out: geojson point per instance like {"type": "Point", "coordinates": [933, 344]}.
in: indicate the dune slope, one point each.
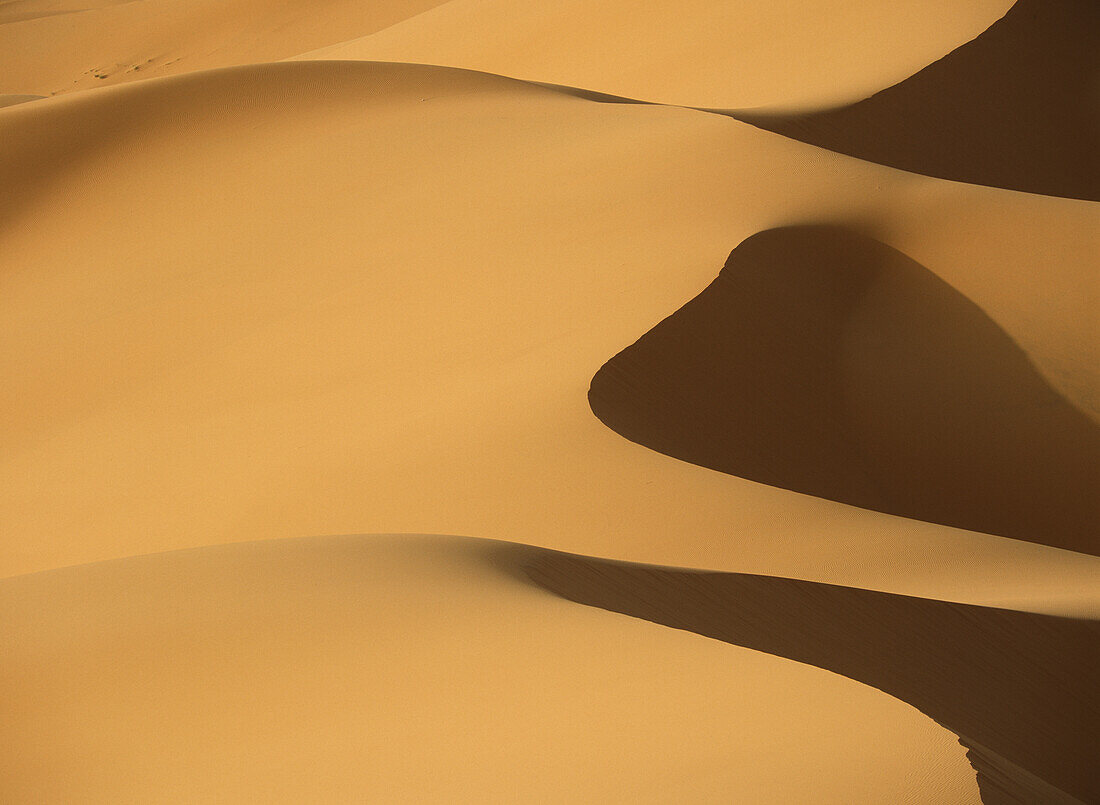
{"type": "Point", "coordinates": [694, 52]}
{"type": "Point", "coordinates": [373, 296]}
{"type": "Point", "coordinates": [823, 361]}
{"type": "Point", "coordinates": [1019, 688]}
{"type": "Point", "coordinates": [53, 47]}
{"type": "Point", "coordinates": [1017, 108]}
{"type": "Point", "coordinates": [331, 287]}
{"type": "Point", "coordinates": [414, 669]}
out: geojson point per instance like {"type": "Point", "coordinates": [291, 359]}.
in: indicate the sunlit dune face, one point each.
{"type": "Point", "coordinates": [410, 669]}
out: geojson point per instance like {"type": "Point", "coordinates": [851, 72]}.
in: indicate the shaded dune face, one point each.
{"type": "Point", "coordinates": [1018, 688]}
{"type": "Point", "coordinates": [1018, 107]}
{"type": "Point", "coordinates": [826, 362]}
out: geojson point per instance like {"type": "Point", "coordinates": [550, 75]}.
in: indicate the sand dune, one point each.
{"type": "Point", "coordinates": [51, 47]}
{"type": "Point", "coordinates": [316, 345]}
{"type": "Point", "coordinates": [337, 295]}
{"type": "Point", "coordinates": [1018, 687]}
{"type": "Point", "coordinates": [823, 361]}
{"type": "Point", "coordinates": [692, 53]}
{"type": "Point", "coordinates": [1015, 108]}
{"type": "Point", "coordinates": [409, 669]}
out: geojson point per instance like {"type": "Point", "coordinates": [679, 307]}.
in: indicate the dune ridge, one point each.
{"type": "Point", "coordinates": [708, 53]}
{"type": "Point", "coordinates": [823, 361]}
{"type": "Point", "coordinates": [316, 343]}
{"type": "Point", "coordinates": [955, 663]}
{"type": "Point", "coordinates": [348, 293]}
{"type": "Point", "coordinates": [1018, 688]}
{"type": "Point", "coordinates": [1014, 108]}
{"type": "Point", "coordinates": [415, 668]}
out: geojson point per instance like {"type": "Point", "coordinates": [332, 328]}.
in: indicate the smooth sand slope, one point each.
{"type": "Point", "coordinates": [823, 361]}
{"type": "Point", "coordinates": [693, 53]}
{"type": "Point", "coordinates": [336, 296]}
{"type": "Point", "coordinates": [409, 669]}
{"type": "Point", "coordinates": [50, 47]}
{"type": "Point", "coordinates": [1018, 687]}
{"type": "Point", "coordinates": [1018, 107]}
{"type": "Point", "coordinates": [375, 296]}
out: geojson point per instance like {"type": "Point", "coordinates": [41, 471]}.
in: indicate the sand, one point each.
{"type": "Point", "coordinates": [712, 53]}
{"type": "Point", "coordinates": [957, 663]}
{"type": "Point", "coordinates": [350, 293]}
{"type": "Point", "coordinates": [819, 356]}
{"type": "Point", "coordinates": [12, 100]}
{"type": "Point", "coordinates": [1014, 108]}
{"type": "Point", "coordinates": [408, 669]}
{"type": "Point", "coordinates": [51, 47]}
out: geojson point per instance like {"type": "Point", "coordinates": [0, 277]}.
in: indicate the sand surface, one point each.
{"type": "Point", "coordinates": [1017, 107]}
{"type": "Point", "coordinates": [388, 669]}
{"type": "Point", "coordinates": [816, 386]}
{"type": "Point", "coordinates": [716, 53]}
{"type": "Point", "coordinates": [52, 47]}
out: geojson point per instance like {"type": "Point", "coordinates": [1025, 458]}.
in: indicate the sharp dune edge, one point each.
{"type": "Point", "coordinates": [367, 289]}
{"type": "Point", "coordinates": [661, 52]}
{"type": "Point", "coordinates": [417, 669]}
{"type": "Point", "coordinates": [956, 663]}
{"type": "Point", "coordinates": [819, 357]}
{"type": "Point", "coordinates": [244, 293]}
{"type": "Point", "coordinates": [696, 53]}
{"type": "Point", "coordinates": [1015, 108]}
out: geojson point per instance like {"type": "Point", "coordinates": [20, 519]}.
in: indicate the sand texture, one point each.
{"type": "Point", "coordinates": [752, 349]}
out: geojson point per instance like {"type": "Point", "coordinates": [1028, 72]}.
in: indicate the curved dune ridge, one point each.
{"type": "Point", "coordinates": [263, 426]}
{"type": "Point", "coordinates": [1015, 108]}
{"type": "Point", "coordinates": [712, 53]}
{"type": "Point", "coordinates": [350, 210]}
{"type": "Point", "coordinates": [385, 669]}
{"type": "Point", "coordinates": [347, 293]}
{"type": "Point", "coordinates": [823, 361]}
{"type": "Point", "coordinates": [1018, 688]}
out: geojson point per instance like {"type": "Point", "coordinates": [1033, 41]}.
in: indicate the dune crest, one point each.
{"type": "Point", "coordinates": [413, 669]}
{"type": "Point", "coordinates": [272, 268]}
{"type": "Point", "coordinates": [1018, 688]}
{"type": "Point", "coordinates": [823, 361]}
{"type": "Point", "coordinates": [318, 332]}
{"type": "Point", "coordinates": [806, 53]}
{"type": "Point", "coordinates": [1016, 108]}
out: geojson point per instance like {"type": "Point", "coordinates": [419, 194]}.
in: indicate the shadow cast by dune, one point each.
{"type": "Point", "coordinates": [1018, 108]}
{"type": "Point", "coordinates": [826, 362]}
{"type": "Point", "coordinates": [1018, 688]}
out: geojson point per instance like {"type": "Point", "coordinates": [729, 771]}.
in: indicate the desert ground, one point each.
{"type": "Point", "coordinates": [584, 402]}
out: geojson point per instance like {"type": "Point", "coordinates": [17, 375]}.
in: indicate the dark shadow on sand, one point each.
{"type": "Point", "coordinates": [1018, 688]}
{"type": "Point", "coordinates": [826, 362]}
{"type": "Point", "coordinates": [1018, 107]}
